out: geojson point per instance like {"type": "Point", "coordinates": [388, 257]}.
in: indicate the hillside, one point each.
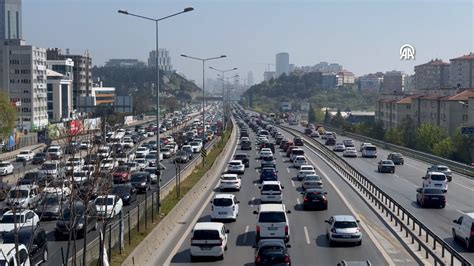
{"type": "Point", "coordinates": [268, 95]}
{"type": "Point", "coordinates": [139, 81]}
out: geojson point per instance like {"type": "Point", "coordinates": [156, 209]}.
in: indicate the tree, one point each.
{"type": "Point", "coordinates": [463, 147]}
{"type": "Point", "coordinates": [444, 148]}
{"type": "Point", "coordinates": [408, 131]}
{"type": "Point", "coordinates": [394, 136]}
{"type": "Point", "coordinates": [377, 130]}
{"type": "Point", "coordinates": [319, 115]}
{"type": "Point", "coordinates": [327, 117]}
{"type": "Point", "coordinates": [311, 115]}
{"type": "Point", "coordinates": [7, 116]}
{"type": "Point", "coordinates": [427, 135]}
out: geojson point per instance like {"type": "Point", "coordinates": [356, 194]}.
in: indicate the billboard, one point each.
{"type": "Point", "coordinates": [305, 106]}
{"type": "Point", "coordinates": [285, 106]}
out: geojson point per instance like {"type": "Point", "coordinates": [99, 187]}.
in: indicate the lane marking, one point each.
{"type": "Point", "coordinates": [306, 235]}
{"type": "Point", "coordinates": [288, 170]}
{"type": "Point", "coordinates": [351, 209]}
{"type": "Point", "coordinates": [251, 204]}
{"type": "Point", "coordinates": [298, 201]}
{"type": "Point", "coordinates": [462, 185]}
{"type": "Point", "coordinates": [293, 183]}
{"type": "Point", "coordinates": [460, 211]}
{"type": "Point", "coordinates": [245, 234]}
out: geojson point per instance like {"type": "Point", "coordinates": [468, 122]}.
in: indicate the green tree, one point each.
{"type": "Point", "coordinates": [327, 117]}
{"type": "Point", "coordinates": [311, 115]}
{"type": "Point", "coordinates": [463, 147]}
{"type": "Point", "coordinates": [444, 148]}
{"type": "Point", "coordinates": [394, 136]}
{"type": "Point", "coordinates": [427, 135]}
{"type": "Point", "coordinates": [408, 131]}
{"type": "Point", "coordinates": [7, 116]}
{"type": "Point", "coordinates": [319, 115]}
{"type": "Point", "coordinates": [377, 131]}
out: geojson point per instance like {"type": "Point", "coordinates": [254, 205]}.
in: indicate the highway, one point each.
{"type": "Point", "coordinates": [307, 228]}
{"type": "Point", "coordinates": [402, 187]}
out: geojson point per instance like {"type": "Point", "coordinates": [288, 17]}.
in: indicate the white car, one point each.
{"type": "Point", "coordinates": [23, 197]}
{"type": "Point", "coordinates": [208, 240]}
{"type": "Point", "coordinates": [265, 152]}
{"type": "Point", "coordinates": [304, 172]}
{"type": "Point", "coordinates": [364, 145]}
{"type": "Point", "coordinates": [8, 255]}
{"type": "Point", "coordinates": [6, 168]}
{"type": "Point", "coordinates": [127, 142]}
{"type": "Point", "coordinates": [272, 222]}
{"type": "Point", "coordinates": [73, 166]}
{"type": "Point", "coordinates": [244, 139]}
{"type": "Point", "coordinates": [108, 206]}
{"type": "Point", "coordinates": [350, 152]}
{"type": "Point", "coordinates": [51, 168]}
{"type": "Point", "coordinates": [54, 152]}
{"type": "Point", "coordinates": [339, 147]}
{"type": "Point", "coordinates": [230, 181]}
{"type": "Point", "coordinates": [271, 191]}
{"type": "Point", "coordinates": [103, 152]}
{"type": "Point", "coordinates": [25, 155]}
{"type": "Point", "coordinates": [141, 163]}
{"type": "Point", "coordinates": [299, 161]}
{"type": "Point", "coordinates": [166, 152]}
{"type": "Point", "coordinates": [23, 218]}
{"type": "Point", "coordinates": [196, 146]}
{"type": "Point", "coordinates": [436, 180]}
{"type": "Point", "coordinates": [235, 166]}
{"type": "Point", "coordinates": [81, 176]}
{"type": "Point", "coordinates": [224, 207]}
{"type": "Point", "coordinates": [142, 150]}
{"type": "Point", "coordinates": [61, 187]}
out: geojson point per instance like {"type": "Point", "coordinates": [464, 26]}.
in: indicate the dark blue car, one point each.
{"type": "Point", "coordinates": [268, 174]}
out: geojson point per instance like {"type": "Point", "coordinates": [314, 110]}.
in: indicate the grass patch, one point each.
{"type": "Point", "coordinates": [168, 203]}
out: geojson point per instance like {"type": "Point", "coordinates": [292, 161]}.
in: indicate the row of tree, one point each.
{"type": "Point", "coordinates": [8, 116]}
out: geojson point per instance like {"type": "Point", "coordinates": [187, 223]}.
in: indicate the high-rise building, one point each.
{"type": "Point", "coordinates": [23, 78]}
{"type": "Point", "coordinates": [164, 60]}
{"type": "Point", "coordinates": [462, 71]}
{"type": "Point", "coordinates": [59, 95]}
{"type": "Point", "coordinates": [82, 72]}
{"type": "Point", "coordinates": [250, 81]}
{"type": "Point", "coordinates": [392, 82]}
{"type": "Point", "coordinates": [282, 64]}
{"type": "Point", "coordinates": [432, 75]}
{"type": "Point", "coordinates": [10, 19]}
{"type": "Point", "coordinates": [370, 83]}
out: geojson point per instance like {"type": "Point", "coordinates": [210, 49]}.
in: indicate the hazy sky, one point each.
{"type": "Point", "coordinates": [363, 36]}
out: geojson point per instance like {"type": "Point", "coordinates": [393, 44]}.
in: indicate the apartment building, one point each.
{"type": "Point", "coordinates": [392, 82]}
{"type": "Point", "coordinates": [432, 75]}
{"type": "Point", "coordinates": [462, 71]}
{"type": "Point", "coordinates": [59, 95]}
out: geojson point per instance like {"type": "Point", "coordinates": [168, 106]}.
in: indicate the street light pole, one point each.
{"type": "Point", "coordinates": [227, 91]}
{"type": "Point", "coordinates": [223, 95]}
{"type": "Point", "coordinates": [203, 60]}
{"type": "Point", "coordinates": [158, 153]}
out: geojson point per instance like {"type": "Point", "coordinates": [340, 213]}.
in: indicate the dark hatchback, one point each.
{"type": "Point", "coordinates": [298, 141]}
{"type": "Point", "coordinates": [31, 178]}
{"type": "Point", "coordinates": [246, 145]}
{"type": "Point", "coordinates": [268, 174]}
{"type": "Point", "coordinates": [272, 252]}
{"type": "Point", "coordinates": [396, 158]}
{"type": "Point", "coordinates": [141, 181]}
{"type": "Point", "coordinates": [35, 241]}
{"type": "Point", "coordinates": [315, 199]}
{"type": "Point", "coordinates": [330, 142]}
{"type": "Point", "coordinates": [78, 210]}
{"type": "Point", "coordinates": [426, 197]}
{"type": "Point", "coordinates": [39, 158]}
{"type": "Point", "coordinates": [244, 158]}
{"type": "Point", "coordinates": [126, 192]}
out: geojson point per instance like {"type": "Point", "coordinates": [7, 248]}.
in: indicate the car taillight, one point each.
{"type": "Point", "coordinates": [233, 208]}
{"type": "Point", "coordinates": [286, 229]}
{"type": "Point", "coordinates": [257, 259]}
{"type": "Point", "coordinates": [287, 259]}
{"type": "Point", "coordinates": [305, 199]}
{"type": "Point", "coordinates": [472, 233]}
{"type": "Point", "coordinates": [220, 242]}
{"type": "Point", "coordinates": [257, 229]}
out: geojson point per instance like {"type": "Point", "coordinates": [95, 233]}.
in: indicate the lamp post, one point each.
{"type": "Point", "coordinates": [203, 60]}
{"type": "Point", "coordinates": [223, 75]}
{"type": "Point", "coordinates": [227, 78]}
{"type": "Point", "coordinates": [156, 20]}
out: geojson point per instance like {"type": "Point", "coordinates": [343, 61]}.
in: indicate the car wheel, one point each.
{"type": "Point", "coordinates": [393, 171]}
{"type": "Point", "coordinates": [468, 245]}
{"type": "Point", "coordinates": [331, 243]}
{"type": "Point", "coordinates": [221, 257]}
{"type": "Point", "coordinates": [193, 258]}
{"type": "Point", "coordinates": [45, 255]}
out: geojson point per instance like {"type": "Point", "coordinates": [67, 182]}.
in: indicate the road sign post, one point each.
{"type": "Point", "coordinates": [203, 155]}
{"type": "Point", "coordinates": [467, 130]}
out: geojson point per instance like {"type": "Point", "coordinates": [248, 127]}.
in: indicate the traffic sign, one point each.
{"type": "Point", "coordinates": [467, 130]}
{"type": "Point", "coordinates": [204, 153]}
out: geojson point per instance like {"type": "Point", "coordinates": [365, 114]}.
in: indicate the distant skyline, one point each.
{"type": "Point", "coordinates": [363, 36]}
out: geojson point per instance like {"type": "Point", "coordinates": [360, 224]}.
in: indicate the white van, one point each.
{"type": "Point", "coordinates": [224, 206]}
{"type": "Point", "coordinates": [270, 191]}
{"type": "Point", "coordinates": [369, 151]}
{"type": "Point", "coordinates": [208, 240]}
{"type": "Point", "coordinates": [272, 222]}
{"type": "Point", "coordinates": [463, 230]}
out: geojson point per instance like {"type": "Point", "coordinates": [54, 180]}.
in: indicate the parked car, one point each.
{"type": "Point", "coordinates": [76, 222]}
{"type": "Point", "coordinates": [272, 252]}
{"type": "Point", "coordinates": [386, 166]}
{"type": "Point", "coordinates": [343, 228]}
{"type": "Point", "coordinates": [35, 241]}
{"type": "Point", "coordinates": [315, 199]}
{"type": "Point", "coordinates": [126, 192]}
{"type": "Point", "coordinates": [463, 230]}
{"type": "Point", "coordinates": [428, 196]}
{"type": "Point", "coordinates": [396, 158]}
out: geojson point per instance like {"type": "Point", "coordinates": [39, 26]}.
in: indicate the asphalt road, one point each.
{"type": "Point", "coordinates": [402, 187]}
{"type": "Point", "coordinates": [307, 228]}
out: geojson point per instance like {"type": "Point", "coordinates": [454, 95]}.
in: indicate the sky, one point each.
{"type": "Point", "coordinates": [363, 36]}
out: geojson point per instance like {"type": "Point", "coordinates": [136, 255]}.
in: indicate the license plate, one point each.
{"type": "Point", "coordinates": [270, 197]}
{"type": "Point", "coordinates": [315, 200]}
{"type": "Point", "coordinates": [346, 236]}
{"type": "Point", "coordinates": [438, 185]}
{"type": "Point", "coordinates": [222, 213]}
{"type": "Point", "coordinates": [206, 248]}
{"type": "Point", "coordinates": [272, 228]}
{"type": "Point", "coordinates": [434, 198]}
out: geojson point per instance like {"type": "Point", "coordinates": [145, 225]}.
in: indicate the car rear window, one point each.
{"type": "Point", "coordinates": [222, 202]}
{"type": "Point", "coordinates": [274, 252]}
{"type": "Point", "coordinates": [234, 163]}
{"type": "Point", "coordinates": [297, 152]}
{"type": "Point", "coordinates": [271, 188]}
{"type": "Point", "coordinates": [370, 148]}
{"type": "Point", "coordinates": [314, 195]}
{"type": "Point", "coordinates": [345, 224]}
{"type": "Point", "coordinates": [442, 168]}
{"type": "Point", "coordinates": [272, 217]}
{"type": "Point", "coordinates": [206, 235]}
{"type": "Point", "coordinates": [438, 177]}
{"type": "Point", "coordinates": [433, 191]}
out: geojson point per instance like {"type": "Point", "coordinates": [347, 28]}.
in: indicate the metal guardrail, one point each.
{"type": "Point", "coordinates": [426, 157]}
{"type": "Point", "coordinates": [426, 239]}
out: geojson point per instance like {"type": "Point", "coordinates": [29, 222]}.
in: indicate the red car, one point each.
{"type": "Point", "coordinates": [121, 174]}
{"type": "Point", "coordinates": [287, 145]}
{"type": "Point", "coordinates": [288, 151]}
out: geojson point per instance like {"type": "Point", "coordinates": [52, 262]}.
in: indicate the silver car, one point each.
{"type": "Point", "coordinates": [343, 228]}
{"type": "Point", "coordinates": [312, 181]}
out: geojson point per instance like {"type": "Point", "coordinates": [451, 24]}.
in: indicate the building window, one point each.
{"type": "Point", "coordinates": [464, 117]}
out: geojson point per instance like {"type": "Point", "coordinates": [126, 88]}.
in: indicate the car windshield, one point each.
{"type": "Point", "coordinates": [48, 201]}
{"type": "Point", "coordinates": [345, 224]}
{"type": "Point", "coordinates": [104, 201]}
{"type": "Point", "coordinates": [312, 178]}
{"type": "Point", "coordinates": [272, 217]}
{"type": "Point", "coordinates": [150, 170]}
{"type": "Point", "coordinates": [10, 218]}
{"type": "Point", "coordinates": [206, 235]}
{"type": "Point", "coordinates": [443, 168]}
{"type": "Point", "coordinates": [49, 166]}
{"type": "Point", "coordinates": [40, 155]}
{"type": "Point", "coordinates": [438, 177]}
{"type": "Point", "coordinates": [53, 149]}
{"type": "Point", "coordinates": [120, 189]}
{"type": "Point", "coordinates": [222, 202]}
{"type": "Point", "coordinates": [370, 148]}
{"type": "Point", "coordinates": [24, 152]}
{"type": "Point", "coordinates": [138, 177]}
{"type": "Point", "coordinates": [271, 188]}
{"type": "Point", "coordinates": [273, 252]}
{"type": "Point", "coordinates": [18, 193]}
{"type": "Point", "coordinates": [314, 195]}
{"type": "Point", "coordinates": [194, 143]}
{"type": "Point", "coordinates": [234, 163]}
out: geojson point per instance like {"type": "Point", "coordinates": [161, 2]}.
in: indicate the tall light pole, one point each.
{"type": "Point", "coordinates": [156, 20]}
{"type": "Point", "coordinates": [203, 60]}
{"type": "Point", "coordinates": [223, 75]}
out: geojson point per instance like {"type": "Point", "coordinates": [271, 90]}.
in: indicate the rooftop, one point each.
{"type": "Point", "coordinates": [462, 96]}
{"type": "Point", "coordinates": [469, 56]}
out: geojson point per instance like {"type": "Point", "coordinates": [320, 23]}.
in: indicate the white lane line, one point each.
{"type": "Point", "coordinates": [251, 204]}
{"type": "Point", "coordinates": [298, 200]}
{"type": "Point", "coordinates": [352, 210]}
{"type": "Point", "coordinates": [256, 170]}
{"type": "Point", "coordinates": [306, 235]}
{"type": "Point", "coordinates": [255, 184]}
{"type": "Point", "coordinates": [293, 183]}
{"type": "Point", "coordinates": [460, 211]}
{"type": "Point", "coordinates": [288, 170]}
{"type": "Point", "coordinates": [462, 185]}
{"type": "Point", "coordinates": [245, 234]}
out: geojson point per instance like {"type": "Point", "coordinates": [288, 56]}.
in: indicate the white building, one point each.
{"type": "Point", "coordinates": [10, 19]}
{"type": "Point", "coordinates": [59, 88]}
{"type": "Point", "coordinates": [23, 78]}
{"type": "Point", "coordinates": [164, 60]}
{"type": "Point", "coordinates": [282, 64]}
{"type": "Point", "coordinates": [462, 71]}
